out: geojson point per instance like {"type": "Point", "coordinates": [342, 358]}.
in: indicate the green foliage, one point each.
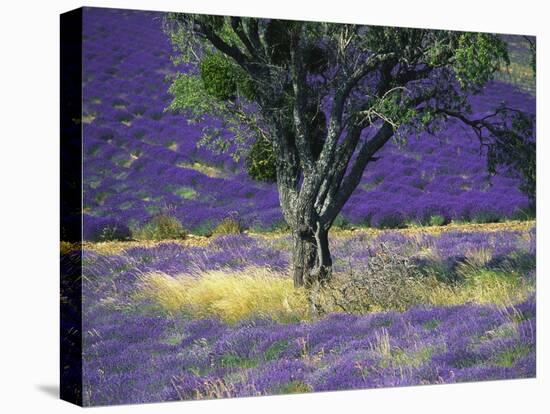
{"type": "Point", "coordinates": [533, 54]}
{"type": "Point", "coordinates": [400, 358]}
{"type": "Point", "coordinates": [205, 228]}
{"type": "Point", "coordinates": [246, 72]}
{"type": "Point", "coordinates": [187, 193]}
{"type": "Point", "coordinates": [478, 278]}
{"type": "Point", "coordinates": [228, 225]}
{"type": "Point", "coordinates": [477, 57]}
{"type": "Point", "coordinates": [486, 217]}
{"type": "Point", "coordinates": [432, 324]}
{"type": "Point", "coordinates": [160, 227]}
{"type": "Point", "coordinates": [392, 108]}
{"type": "Point", "coordinates": [190, 96]}
{"type": "Point", "coordinates": [341, 222]}
{"type": "Point", "coordinates": [233, 360]}
{"type": "Point", "coordinates": [275, 350]}
{"type": "Point", "coordinates": [437, 220]}
{"type": "Point", "coordinates": [391, 221]}
{"type": "Point", "coordinates": [212, 92]}
{"type": "Point", "coordinates": [508, 357]}
{"type": "Point", "coordinates": [222, 79]}
{"type": "Point", "coordinates": [260, 161]}
{"type": "Point", "coordinates": [514, 146]}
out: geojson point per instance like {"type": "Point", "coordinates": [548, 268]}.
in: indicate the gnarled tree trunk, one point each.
{"type": "Point", "coordinates": [312, 262]}
{"type": "Point", "coordinates": [304, 257]}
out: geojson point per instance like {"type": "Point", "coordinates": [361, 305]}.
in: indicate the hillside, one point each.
{"type": "Point", "coordinates": [140, 160]}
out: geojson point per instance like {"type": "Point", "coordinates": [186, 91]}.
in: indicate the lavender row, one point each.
{"type": "Point", "coordinates": [134, 358]}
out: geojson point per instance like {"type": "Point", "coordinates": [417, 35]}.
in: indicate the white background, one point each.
{"type": "Point", "coordinates": [29, 163]}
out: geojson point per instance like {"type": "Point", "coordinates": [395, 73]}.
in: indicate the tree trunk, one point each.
{"type": "Point", "coordinates": [312, 263]}
{"type": "Point", "coordinates": [304, 257]}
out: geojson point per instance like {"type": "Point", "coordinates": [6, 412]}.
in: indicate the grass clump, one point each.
{"type": "Point", "coordinates": [206, 169]}
{"type": "Point", "coordinates": [480, 286]}
{"type": "Point", "coordinates": [187, 193]}
{"type": "Point", "coordinates": [275, 350]}
{"type": "Point", "coordinates": [294, 387]}
{"type": "Point", "coordinates": [160, 227]}
{"type": "Point", "coordinates": [228, 295]}
{"type": "Point", "coordinates": [509, 357]}
{"type": "Point", "coordinates": [233, 360]}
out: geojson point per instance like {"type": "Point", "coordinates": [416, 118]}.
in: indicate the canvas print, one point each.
{"type": "Point", "coordinates": [253, 206]}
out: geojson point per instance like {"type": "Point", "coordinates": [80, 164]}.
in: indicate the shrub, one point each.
{"type": "Point", "coordinates": [437, 220]}
{"type": "Point", "coordinates": [388, 281]}
{"type": "Point", "coordinates": [160, 227]}
{"type": "Point", "coordinates": [388, 220]}
{"type": "Point", "coordinates": [528, 213]}
{"type": "Point", "coordinates": [229, 225]}
{"type": "Point", "coordinates": [229, 295]}
{"type": "Point", "coordinates": [486, 217]}
{"type": "Point", "coordinates": [341, 222]}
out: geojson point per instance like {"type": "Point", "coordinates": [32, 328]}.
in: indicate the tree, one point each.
{"type": "Point", "coordinates": [327, 97]}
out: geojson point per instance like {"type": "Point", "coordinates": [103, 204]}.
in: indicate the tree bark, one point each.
{"type": "Point", "coordinates": [304, 256]}
{"type": "Point", "coordinates": [312, 262]}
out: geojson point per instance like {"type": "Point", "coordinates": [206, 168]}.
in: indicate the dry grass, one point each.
{"type": "Point", "coordinates": [511, 225]}
{"type": "Point", "coordinates": [227, 295]}
{"type": "Point", "coordinates": [481, 286]}
{"type": "Point", "coordinates": [206, 169]}
{"type": "Point", "coordinates": [254, 292]}
{"type": "Point", "coordinates": [116, 247]}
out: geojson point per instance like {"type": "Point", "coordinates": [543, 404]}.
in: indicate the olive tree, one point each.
{"type": "Point", "coordinates": [326, 98]}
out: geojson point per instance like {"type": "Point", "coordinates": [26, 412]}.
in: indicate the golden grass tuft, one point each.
{"type": "Point", "coordinates": [257, 292]}
{"type": "Point", "coordinates": [483, 286]}
{"type": "Point", "coordinates": [228, 295]}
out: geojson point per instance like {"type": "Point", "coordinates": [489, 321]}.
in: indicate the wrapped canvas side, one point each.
{"type": "Point", "coordinates": [71, 207]}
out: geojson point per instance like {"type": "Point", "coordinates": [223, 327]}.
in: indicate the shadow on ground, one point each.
{"type": "Point", "coordinates": [49, 389]}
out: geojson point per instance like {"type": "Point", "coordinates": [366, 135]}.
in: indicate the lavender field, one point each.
{"type": "Point", "coordinates": [187, 261]}
{"type": "Point", "coordinates": [140, 160]}
{"type": "Point", "coordinates": [145, 341]}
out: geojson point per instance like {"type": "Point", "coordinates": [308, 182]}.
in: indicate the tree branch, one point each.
{"type": "Point", "coordinates": [350, 181]}
{"type": "Point", "coordinates": [206, 30]}
{"type": "Point", "coordinates": [299, 84]}
{"type": "Point", "coordinates": [237, 26]}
